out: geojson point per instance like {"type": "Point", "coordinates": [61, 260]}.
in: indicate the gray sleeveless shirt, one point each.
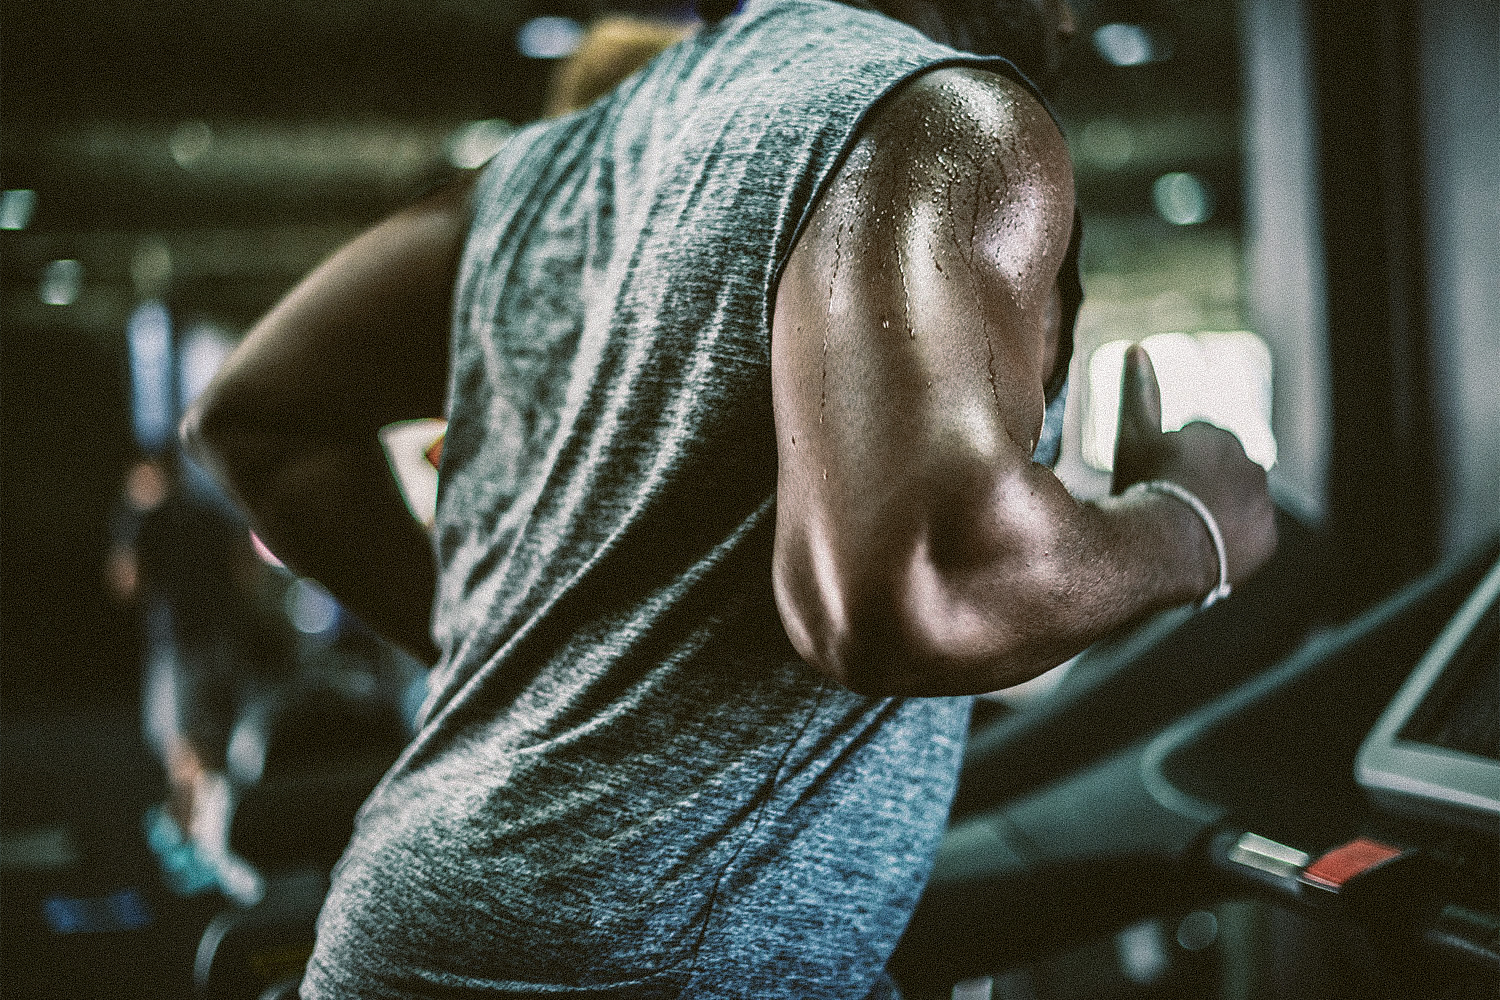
{"type": "Point", "coordinates": [626, 783]}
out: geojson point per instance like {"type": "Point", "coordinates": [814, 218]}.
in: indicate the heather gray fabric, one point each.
{"type": "Point", "coordinates": [626, 783]}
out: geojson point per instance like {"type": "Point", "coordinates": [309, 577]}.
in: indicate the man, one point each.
{"type": "Point", "coordinates": [750, 363]}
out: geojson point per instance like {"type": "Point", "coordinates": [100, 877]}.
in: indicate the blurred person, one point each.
{"type": "Point", "coordinates": [211, 641]}
{"type": "Point", "coordinates": [753, 371]}
{"type": "Point", "coordinates": [612, 48]}
{"type": "Point", "coordinates": [219, 646]}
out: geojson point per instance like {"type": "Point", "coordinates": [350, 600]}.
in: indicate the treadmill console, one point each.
{"type": "Point", "coordinates": [1436, 749]}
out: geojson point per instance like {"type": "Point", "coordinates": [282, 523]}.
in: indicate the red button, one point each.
{"type": "Point", "coordinates": [1341, 864]}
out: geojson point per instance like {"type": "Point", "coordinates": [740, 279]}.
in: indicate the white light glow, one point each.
{"type": "Point", "coordinates": [16, 208]}
{"type": "Point", "coordinates": [1127, 45]}
{"type": "Point", "coordinates": [1220, 378]}
{"type": "Point", "coordinates": [974, 989]}
{"type": "Point", "coordinates": [1142, 952]}
{"type": "Point", "coordinates": [549, 37]}
{"type": "Point", "coordinates": [61, 283]}
{"type": "Point", "coordinates": [1182, 199]}
{"type": "Point", "coordinates": [190, 143]}
{"type": "Point", "coordinates": [311, 609]}
{"type": "Point", "coordinates": [204, 348]}
{"type": "Point", "coordinates": [148, 333]}
{"type": "Point", "coordinates": [473, 144]}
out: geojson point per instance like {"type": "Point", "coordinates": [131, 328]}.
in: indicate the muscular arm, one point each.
{"type": "Point", "coordinates": [289, 425]}
{"type": "Point", "coordinates": [919, 550]}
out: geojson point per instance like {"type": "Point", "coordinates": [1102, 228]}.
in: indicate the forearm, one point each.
{"type": "Point", "coordinates": [331, 511]}
{"type": "Point", "coordinates": [290, 423]}
{"type": "Point", "coordinates": [1042, 596]}
{"type": "Point", "coordinates": [971, 589]}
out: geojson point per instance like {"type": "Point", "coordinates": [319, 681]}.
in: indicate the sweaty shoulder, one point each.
{"type": "Point", "coordinates": [971, 107]}
{"type": "Point", "coordinates": [982, 147]}
{"type": "Point", "coordinates": [953, 211]}
{"type": "Point", "coordinates": [975, 102]}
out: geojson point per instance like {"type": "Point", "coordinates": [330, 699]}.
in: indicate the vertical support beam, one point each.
{"type": "Point", "coordinates": [1461, 108]}
{"type": "Point", "coordinates": [1284, 248]}
{"type": "Point", "coordinates": [1383, 485]}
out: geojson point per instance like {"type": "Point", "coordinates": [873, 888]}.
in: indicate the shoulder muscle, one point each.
{"type": "Point", "coordinates": [949, 222]}
{"type": "Point", "coordinates": [967, 164]}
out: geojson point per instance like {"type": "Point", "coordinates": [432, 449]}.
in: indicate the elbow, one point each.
{"type": "Point", "coordinates": [241, 452]}
{"type": "Point", "coordinates": [821, 615]}
{"type": "Point", "coordinates": [207, 441]}
{"type": "Point", "coordinates": [199, 432]}
{"type": "Point", "coordinates": [209, 433]}
{"type": "Point", "coordinates": [193, 433]}
{"type": "Point", "coordinates": [910, 633]}
{"type": "Point", "coordinates": [898, 648]}
{"type": "Point", "coordinates": [882, 650]}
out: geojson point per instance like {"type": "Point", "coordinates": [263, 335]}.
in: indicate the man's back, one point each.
{"type": "Point", "coordinates": [639, 774]}
{"type": "Point", "coordinates": [626, 774]}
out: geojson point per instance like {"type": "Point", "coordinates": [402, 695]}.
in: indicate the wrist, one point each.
{"type": "Point", "coordinates": [1219, 587]}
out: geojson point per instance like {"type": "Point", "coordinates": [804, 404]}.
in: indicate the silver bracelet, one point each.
{"type": "Point", "coordinates": [1172, 489]}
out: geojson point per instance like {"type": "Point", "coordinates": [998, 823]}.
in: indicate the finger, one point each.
{"type": "Point", "coordinates": [1140, 404]}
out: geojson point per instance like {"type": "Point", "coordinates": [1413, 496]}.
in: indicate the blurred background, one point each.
{"type": "Point", "coordinates": [1299, 208]}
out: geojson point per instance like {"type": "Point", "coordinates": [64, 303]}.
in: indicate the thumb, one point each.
{"type": "Point", "coordinates": [1140, 413]}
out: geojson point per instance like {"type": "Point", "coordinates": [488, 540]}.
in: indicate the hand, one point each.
{"type": "Point", "coordinates": [1205, 459]}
